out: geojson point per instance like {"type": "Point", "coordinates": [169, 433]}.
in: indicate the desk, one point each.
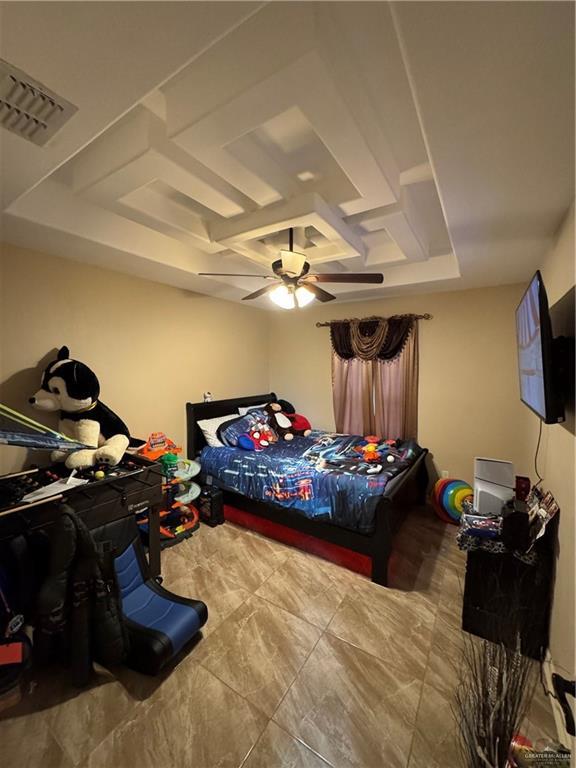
{"type": "Point", "coordinates": [137, 486]}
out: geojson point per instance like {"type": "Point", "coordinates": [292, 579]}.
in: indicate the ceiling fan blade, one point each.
{"type": "Point", "coordinates": [346, 277]}
{"type": "Point", "coordinates": [259, 292]}
{"type": "Point", "coordinates": [233, 274]}
{"type": "Point", "coordinates": [319, 293]}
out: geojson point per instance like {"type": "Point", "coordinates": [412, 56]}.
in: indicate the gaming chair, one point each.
{"type": "Point", "coordinates": [159, 623]}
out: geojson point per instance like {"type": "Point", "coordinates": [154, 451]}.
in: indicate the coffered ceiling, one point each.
{"type": "Point", "coordinates": [375, 131]}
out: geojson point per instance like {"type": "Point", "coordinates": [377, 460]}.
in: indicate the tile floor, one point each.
{"type": "Point", "coordinates": [302, 664]}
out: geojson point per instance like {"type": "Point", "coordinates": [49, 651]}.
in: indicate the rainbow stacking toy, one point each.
{"type": "Point", "coordinates": [447, 498]}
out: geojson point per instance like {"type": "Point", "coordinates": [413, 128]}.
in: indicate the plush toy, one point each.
{"type": "Point", "coordinates": [369, 452]}
{"type": "Point", "coordinates": [279, 422]}
{"type": "Point", "coordinates": [374, 450]}
{"type": "Point", "coordinates": [72, 388]}
{"type": "Point", "coordinates": [259, 437]}
{"type": "Point", "coordinates": [300, 424]}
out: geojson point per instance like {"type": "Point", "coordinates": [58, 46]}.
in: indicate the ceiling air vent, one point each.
{"type": "Point", "coordinates": [28, 108]}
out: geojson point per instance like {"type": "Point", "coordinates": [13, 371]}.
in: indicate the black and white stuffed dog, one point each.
{"type": "Point", "coordinates": [72, 388]}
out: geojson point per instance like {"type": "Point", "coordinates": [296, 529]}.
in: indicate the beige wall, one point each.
{"type": "Point", "coordinates": [556, 464]}
{"type": "Point", "coordinates": [152, 346]}
{"type": "Point", "coordinates": [468, 403]}
{"type": "Point", "coordinates": [155, 347]}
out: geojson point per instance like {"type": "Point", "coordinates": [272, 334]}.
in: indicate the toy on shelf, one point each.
{"type": "Point", "coordinates": [448, 497]}
{"type": "Point", "coordinates": [180, 518]}
{"type": "Point", "coordinates": [157, 445]}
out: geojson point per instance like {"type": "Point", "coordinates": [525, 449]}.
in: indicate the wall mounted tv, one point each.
{"type": "Point", "coordinates": [539, 362]}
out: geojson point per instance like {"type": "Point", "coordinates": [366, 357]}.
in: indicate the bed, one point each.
{"type": "Point", "coordinates": [313, 485]}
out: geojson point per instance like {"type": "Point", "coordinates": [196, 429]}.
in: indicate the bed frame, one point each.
{"type": "Point", "coordinates": [401, 493]}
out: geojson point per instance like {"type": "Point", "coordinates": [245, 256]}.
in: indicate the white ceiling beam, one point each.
{"type": "Point", "coordinates": [256, 159]}
{"type": "Point", "coordinates": [306, 210]}
{"type": "Point", "coordinates": [268, 42]}
{"type": "Point", "coordinates": [148, 206]}
{"type": "Point", "coordinates": [400, 230]}
{"type": "Point", "coordinates": [417, 174]}
{"type": "Point", "coordinates": [321, 104]}
{"type": "Point", "coordinates": [52, 204]}
{"type": "Point", "coordinates": [127, 141]}
{"type": "Point", "coordinates": [384, 253]}
{"type": "Point", "coordinates": [254, 251]}
{"type": "Point", "coordinates": [264, 221]}
{"type": "Point", "coordinates": [181, 160]}
{"type": "Point", "coordinates": [399, 221]}
{"type": "Point", "coordinates": [438, 268]}
{"type": "Point", "coordinates": [160, 207]}
{"type": "Point", "coordinates": [334, 227]}
{"type": "Point", "coordinates": [249, 182]}
{"type": "Point", "coordinates": [139, 152]}
{"type": "Point", "coordinates": [65, 48]}
{"type": "Point", "coordinates": [325, 254]}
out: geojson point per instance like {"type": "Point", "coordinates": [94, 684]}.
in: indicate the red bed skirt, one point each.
{"type": "Point", "coordinates": [333, 552]}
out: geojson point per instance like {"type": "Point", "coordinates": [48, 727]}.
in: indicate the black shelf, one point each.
{"type": "Point", "coordinates": [506, 599]}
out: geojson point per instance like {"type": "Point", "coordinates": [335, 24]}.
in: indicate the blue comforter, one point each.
{"type": "Point", "coordinates": [323, 476]}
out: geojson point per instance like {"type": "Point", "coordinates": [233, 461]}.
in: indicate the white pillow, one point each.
{"type": "Point", "coordinates": [209, 427]}
{"type": "Point", "coordinates": [243, 411]}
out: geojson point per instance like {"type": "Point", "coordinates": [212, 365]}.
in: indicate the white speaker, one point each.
{"type": "Point", "coordinates": [493, 485]}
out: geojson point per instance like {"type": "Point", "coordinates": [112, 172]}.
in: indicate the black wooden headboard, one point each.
{"type": "Point", "coordinates": [196, 412]}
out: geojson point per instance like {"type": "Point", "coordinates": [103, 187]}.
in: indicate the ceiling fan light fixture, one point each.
{"type": "Point", "coordinates": [292, 262]}
{"type": "Point", "coordinates": [283, 297]}
{"type": "Point", "coordinates": [304, 296]}
{"type": "Point", "coordinates": [288, 297]}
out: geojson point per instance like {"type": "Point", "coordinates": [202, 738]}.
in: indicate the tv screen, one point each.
{"type": "Point", "coordinates": [535, 353]}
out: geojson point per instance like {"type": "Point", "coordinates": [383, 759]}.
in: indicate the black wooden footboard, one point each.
{"type": "Point", "coordinates": [391, 511]}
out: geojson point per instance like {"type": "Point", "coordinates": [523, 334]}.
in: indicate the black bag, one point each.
{"type": "Point", "coordinates": [79, 617]}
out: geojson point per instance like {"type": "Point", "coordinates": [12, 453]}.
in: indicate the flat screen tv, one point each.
{"type": "Point", "coordinates": [539, 384]}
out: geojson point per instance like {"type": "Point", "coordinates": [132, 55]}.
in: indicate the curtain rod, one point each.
{"type": "Point", "coordinates": [368, 319]}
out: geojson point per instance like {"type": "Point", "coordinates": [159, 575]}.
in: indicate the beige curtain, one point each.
{"type": "Point", "coordinates": [378, 397]}
{"type": "Point", "coordinates": [352, 386]}
{"type": "Point", "coordinates": [396, 392]}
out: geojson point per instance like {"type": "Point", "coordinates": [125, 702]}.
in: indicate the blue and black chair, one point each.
{"type": "Point", "coordinates": [159, 623]}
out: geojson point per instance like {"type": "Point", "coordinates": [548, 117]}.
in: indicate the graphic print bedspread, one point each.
{"type": "Point", "coordinates": [323, 476]}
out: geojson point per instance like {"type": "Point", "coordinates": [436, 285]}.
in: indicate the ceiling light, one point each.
{"type": "Point", "coordinates": [303, 296]}
{"type": "Point", "coordinates": [283, 297]}
{"type": "Point", "coordinates": [287, 297]}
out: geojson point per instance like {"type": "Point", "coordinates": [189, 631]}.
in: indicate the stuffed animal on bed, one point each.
{"type": "Point", "coordinates": [259, 437]}
{"type": "Point", "coordinates": [300, 424]}
{"type": "Point", "coordinates": [73, 389]}
{"type": "Point", "coordinates": [279, 421]}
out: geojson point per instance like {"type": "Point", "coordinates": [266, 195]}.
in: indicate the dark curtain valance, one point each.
{"type": "Point", "coordinates": [372, 338]}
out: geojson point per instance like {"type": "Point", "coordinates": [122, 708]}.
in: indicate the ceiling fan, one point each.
{"type": "Point", "coordinates": [294, 284]}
